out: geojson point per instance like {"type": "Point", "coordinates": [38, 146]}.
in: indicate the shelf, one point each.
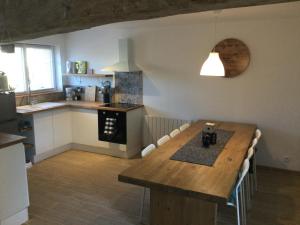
{"type": "Point", "coordinates": [89, 75]}
{"type": "Point", "coordinates": [24, 129]}
{"type": "Point", "coordinates": [28, 145]}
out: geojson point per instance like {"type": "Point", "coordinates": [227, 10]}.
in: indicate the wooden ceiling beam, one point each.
{"type": "Point", "coordinates": [26, 19]}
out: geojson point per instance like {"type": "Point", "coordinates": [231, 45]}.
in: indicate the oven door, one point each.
{"type": "Point", "coordinates": [112, 126]}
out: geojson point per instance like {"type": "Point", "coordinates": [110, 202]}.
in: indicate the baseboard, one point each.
{"type": "Point", "coordinates": [99, 150]}
{"type": "Point", "coordinates": [17, 219]}
{"type": "Point", "coordinates": [56, 151]}
{"type": "Point", "coordinates": [278, 169]}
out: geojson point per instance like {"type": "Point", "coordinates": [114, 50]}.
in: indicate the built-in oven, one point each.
{"type": "Point", "coordinates": [112, 126]}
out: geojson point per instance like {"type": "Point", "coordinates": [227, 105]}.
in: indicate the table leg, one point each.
{"type": "Point", "coordinates": [168, 208]}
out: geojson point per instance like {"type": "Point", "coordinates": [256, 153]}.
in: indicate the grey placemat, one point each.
{"type": "Point", "coordinates": [193, 152]}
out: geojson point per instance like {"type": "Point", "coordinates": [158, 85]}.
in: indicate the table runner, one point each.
{"type": "Point", "coordinates": [193, 152]}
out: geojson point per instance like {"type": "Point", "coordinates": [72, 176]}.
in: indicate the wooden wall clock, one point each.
{"type": "Point", "coordinates": [235, 56]}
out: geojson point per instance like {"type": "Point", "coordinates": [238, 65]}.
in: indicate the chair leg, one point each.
{"type": "Point", "coordinates": [243, 204]}
{"type": "Point", "coordinates": [251, 185]}
{"type": "Point", "coordinates": [248, 191]}
{"type": "Point", "coordinates": [254, 173]}
{"type": "Point", "coordinates": [238, 216]}
{"type": "Point", "coordinates": [142, 204]}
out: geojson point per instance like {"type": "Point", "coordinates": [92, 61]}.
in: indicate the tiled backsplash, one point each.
{"type": "Point", "coordinates": [44, 97]}
{"type": "Point", "coordinates": [129, 87]}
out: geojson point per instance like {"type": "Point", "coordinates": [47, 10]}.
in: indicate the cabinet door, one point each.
{"type": "Point", "coordinates": [62, 127]}
{"type": "Point", "coordinates": [43, 132]}
{"type": "Point", "coordinates": [14, 185]}
{"type": "Point", "coordinates": [85, 127]}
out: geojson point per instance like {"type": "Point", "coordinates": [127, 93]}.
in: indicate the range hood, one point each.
{"type": "Point", "coordinates": [126, 63]}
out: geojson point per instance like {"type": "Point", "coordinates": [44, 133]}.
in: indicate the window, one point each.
{"type": "Point", "coordinates": [31, 66]}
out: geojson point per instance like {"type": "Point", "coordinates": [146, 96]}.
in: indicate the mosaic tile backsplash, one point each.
{"type": "Point", "coordinates": [129, 87]}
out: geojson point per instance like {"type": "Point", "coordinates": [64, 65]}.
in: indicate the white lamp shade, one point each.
{"type": "Point", "coordinates": [213, 66]}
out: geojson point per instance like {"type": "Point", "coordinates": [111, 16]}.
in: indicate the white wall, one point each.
{"type": "Point", "coordinates": [171, 51]}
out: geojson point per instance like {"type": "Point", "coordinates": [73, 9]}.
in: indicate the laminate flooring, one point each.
{"type": "Point", "coordinates": [81, 188]}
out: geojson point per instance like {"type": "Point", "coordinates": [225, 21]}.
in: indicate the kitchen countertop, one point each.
{"type": "Point", "coordinates": [30, 109]}
{"type": "Point", "coordinates": [9, 139]}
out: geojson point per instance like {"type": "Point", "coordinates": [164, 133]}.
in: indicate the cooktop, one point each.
{"type": "Point", "coordinates": [120, 105]}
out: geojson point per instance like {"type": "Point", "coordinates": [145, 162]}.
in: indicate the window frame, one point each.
{"type": "Point", "coordinates": [23, 47]}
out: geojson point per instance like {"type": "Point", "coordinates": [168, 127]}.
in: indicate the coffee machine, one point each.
{"type": "Point", "coordinates": [105, 92]}
{"type": "Point", "coordinates": [69, 94]}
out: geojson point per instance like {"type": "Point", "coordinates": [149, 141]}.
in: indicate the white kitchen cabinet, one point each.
{"type": "Point", "coordinates": [62, 127]}
{"type": "Point", "coordinates": [14, 199]}
{"type": "Point", "coordinates": [85, 127]}
{"type": "Point", "coordinates": [43, 133]}
{"type": "Point", "coordinates": [52, 132]}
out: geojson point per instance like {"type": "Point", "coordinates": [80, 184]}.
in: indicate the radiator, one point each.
{"type": "Point", "coordinates": [155, 127]}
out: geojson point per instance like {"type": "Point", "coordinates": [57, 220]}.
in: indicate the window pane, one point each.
{"type": "Point", "coordinates": [40, 68]}
{"type": "Point", "coordinates": [12, 65]}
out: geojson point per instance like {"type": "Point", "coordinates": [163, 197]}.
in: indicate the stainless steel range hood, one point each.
{"type": "Point", "coordinates": [126, 62]}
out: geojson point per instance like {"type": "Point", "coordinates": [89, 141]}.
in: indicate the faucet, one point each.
{"type": "Point", "coordinates": [30, 101]}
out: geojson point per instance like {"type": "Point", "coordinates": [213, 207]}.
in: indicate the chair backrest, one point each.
{"type": "Point", "coordinates": [149, 149]}
{"type": "Point", "coordinates": [244, 172]}
{"type": "Point", "coordinates": [250, 153]}
{"type": "Point", "coordinates": [174, 133]}
{"type": "Point", "coordinates": [184, 126]}
{"type": "Point", "coordinates": [258, 134]}
{"type": "Point", "coordinates": [163, 140]}
{"type": "Point", "coordinates": [254, 143]}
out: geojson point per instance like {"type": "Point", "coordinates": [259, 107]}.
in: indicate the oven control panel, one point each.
{"type": "Point", "coordinates": [112, 126]}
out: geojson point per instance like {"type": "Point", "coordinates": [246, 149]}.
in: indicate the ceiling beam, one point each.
{"type": "Point", "coordinates": [27, 19]}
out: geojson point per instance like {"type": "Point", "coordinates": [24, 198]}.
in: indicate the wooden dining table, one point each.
{"type": "Point", "coordinates": [183, 193]}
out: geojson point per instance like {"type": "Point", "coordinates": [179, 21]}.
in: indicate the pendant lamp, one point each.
{"type": "Point", "coordinates": [213, 65]}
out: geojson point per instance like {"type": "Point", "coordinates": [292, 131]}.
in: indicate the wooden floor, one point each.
{"type": "Point", "coordinates": [80, 188]}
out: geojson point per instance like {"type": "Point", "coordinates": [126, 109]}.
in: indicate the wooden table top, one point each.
{"type": "Point", "coordinates": [209, 183]}
{"type": "Point", "coordinates": [9, 139]}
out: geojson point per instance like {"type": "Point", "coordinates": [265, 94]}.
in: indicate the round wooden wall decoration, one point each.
{"type": "Point", "coordinates": [235, 56]}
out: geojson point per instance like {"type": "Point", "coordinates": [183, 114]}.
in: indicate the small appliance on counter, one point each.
{"type": "Point", "coordinates": [69, 94]}
{"type": "Point", "coordinates": [77, 93]}
{"type": "Point", "coordinates": [3, 82]}
{"type": "Point", "coordinates": [105, 92]}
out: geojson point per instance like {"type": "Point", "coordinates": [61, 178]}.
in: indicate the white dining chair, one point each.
{"type": "Point", "coordinates": [237, 198]}
{"type": "Point", "coordinates": [251, 177]}
{"type": "Point", "coordinates": [174, 133]}
{"type": "Point", "coordinates": [163, 140]}
{"type": "Point", "coordinates": [258, 134]}
{"type": "Point", "coordinates": [184, 126]}
{"type": "Point", "coordinates": [149, 149]}
{"type": "Point", "coordinates": [145, 152]}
